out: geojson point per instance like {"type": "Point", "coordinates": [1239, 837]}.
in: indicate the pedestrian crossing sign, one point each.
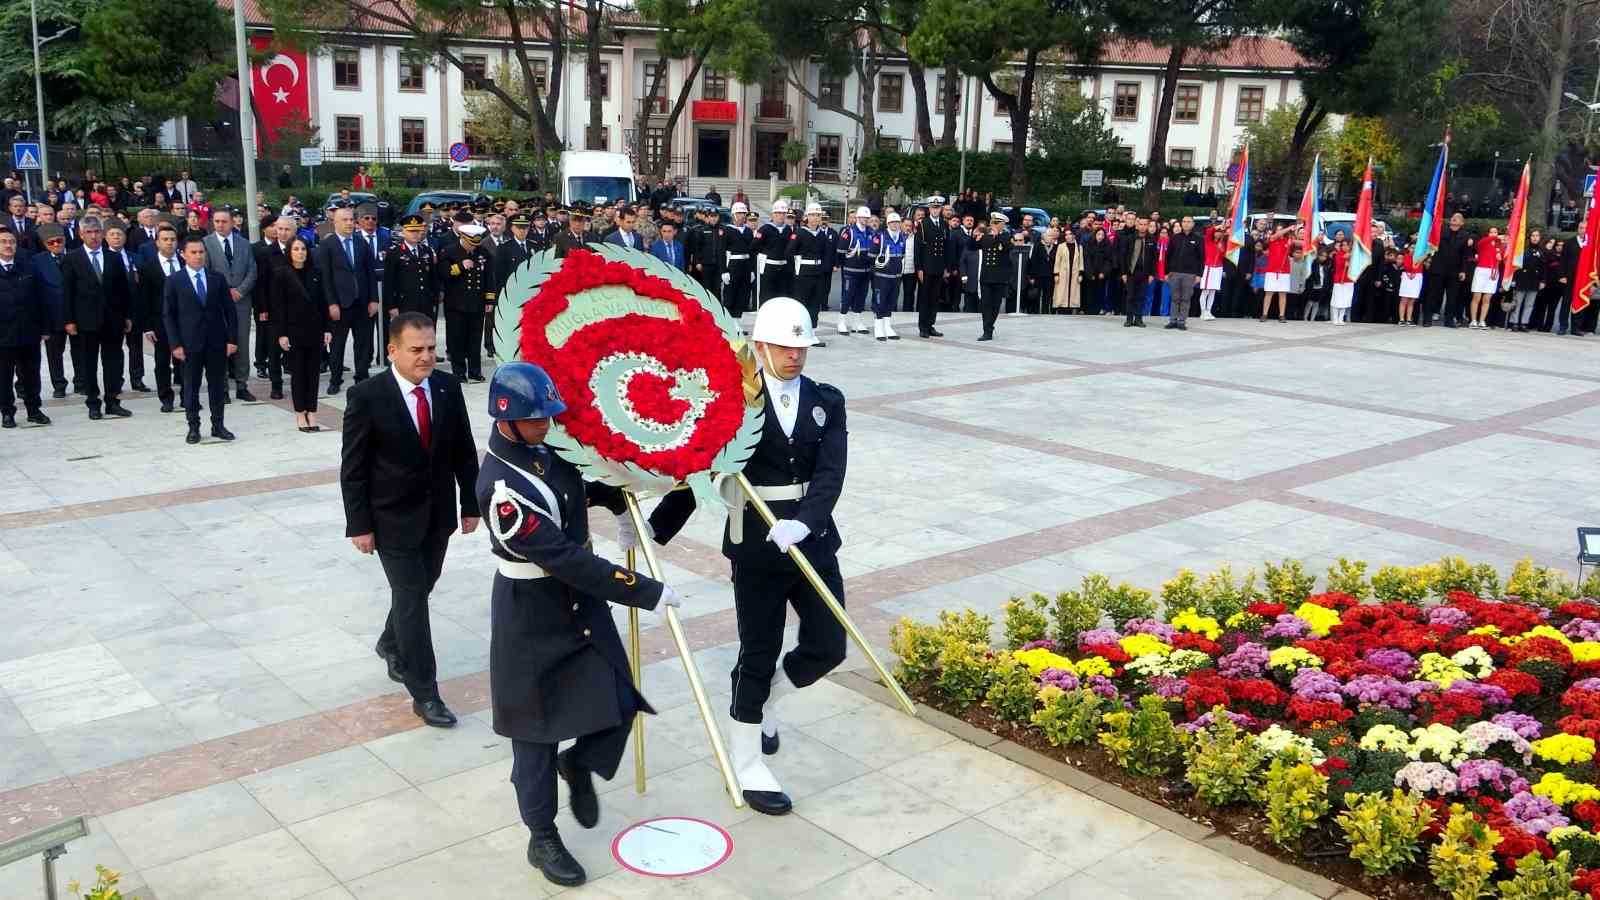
{"type": "Point", "coordinates": [25, 156]}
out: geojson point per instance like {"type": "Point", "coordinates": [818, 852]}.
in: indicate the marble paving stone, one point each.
{"type": "Point", "coordinates": [79, 703]}
{"type": "Point", "coordinates": [146, 732]}
{"type": "Point", "coordinates": [24, 879]}
{"type": "Point", "coordinates": [877, 814]}
{"type": "Point", "coordinates": [25, 760]}
{"type": "Point", "coordinates": [968, 778]}
{"type": "Point", "coordinates": [268, 866]}
{"type": "Point", "coordinates": [250, 704]}
{"type": "Point", "coordinates": [1067, 824]}
{"type": "Point", "coordinates": [971, 859]}
{"type": "Point", "coordinates": [471, 870]}
{"type": "Point", "coordinates": [322, 784]}
{"type": "Point", "coordinates": [362, 839]}
{"type": "Point", "coordinates": [876, 735]}
{"type": "Point", "coordinates": [1164, 866]}
{"type": "Point", "coordinates": [484, 796]}
{"type": "Point", "coordinates": [810, 856]}
{"type": "Point", "coordinates": [873, 881]}
{"type": "Point", "coordinates": [428, 754]}
{"type": "Point", "coordinates": [1079, 886]}
{"type": "Point", "coordinates": [165, 830]}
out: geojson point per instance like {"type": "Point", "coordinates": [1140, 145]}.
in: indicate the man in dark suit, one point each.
{"type": "Point", "coordinates": [669, 249]}
{"type": "Point", "coordinates": [46, 268]}
{"type": "Point", "coordinates": [345, 266]}
{"type": "Point", "coordinates": [17, 221]}
{"type": "Point", "coordinates": [116, 244]}
{"type": "Point", "coordinates": [154, 269]}
{"type": "Point", "coordinates": [22, 317]}
{"type": "Point", "coordinates": [276, 233]}
{"type": "Point", "coordinates": [379, 239]}
{"type": "Point", "coordinates": [932, 258]}
{"type": "Point", "coordinates": [97, 313]}
{"type": "Point", "coordinates": [407, 449]}
{"type": "Point", "coordinates": [228, 254]}
{"type": "Point", "coordinates": [199, 312]}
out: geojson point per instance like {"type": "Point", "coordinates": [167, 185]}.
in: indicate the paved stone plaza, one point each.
{"type": "Point", "coordinates": [187, 651]}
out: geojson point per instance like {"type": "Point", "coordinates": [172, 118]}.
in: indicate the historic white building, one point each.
{"type": "Point", "coordinates": [367, 92]}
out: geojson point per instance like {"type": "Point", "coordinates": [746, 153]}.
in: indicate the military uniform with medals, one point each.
{"type": "Point", "coordinates": [467, 279]}
{"type": "Point", "coordinates": [408, 275]}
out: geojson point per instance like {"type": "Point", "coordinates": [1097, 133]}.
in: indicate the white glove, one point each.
{"type": "Point", "coordinates": [669, 599]}
{"type": "Point", "coordinates": [627, 535]}
{"type": "Point", "coordinates": [727, 278]}
{"type": "Point", "coordinates": [788, 532]}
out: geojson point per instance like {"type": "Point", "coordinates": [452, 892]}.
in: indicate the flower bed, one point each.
{"type": "Point", "coordinates": [1423, 733]}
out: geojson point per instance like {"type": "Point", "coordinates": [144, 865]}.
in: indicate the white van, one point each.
{"type": "Point", "coordinates": [595, 176]}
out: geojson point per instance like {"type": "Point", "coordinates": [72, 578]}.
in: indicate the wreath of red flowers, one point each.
{"type": "Point", "coordinates": [693, 341]}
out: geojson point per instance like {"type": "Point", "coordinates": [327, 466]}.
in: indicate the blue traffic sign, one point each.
{"type": "Point", "coordinates": [1588, 185]}
{"type": "Point", "coordinates": [460, 152]}
{"type": "Point", "coordinates": [25, 156]}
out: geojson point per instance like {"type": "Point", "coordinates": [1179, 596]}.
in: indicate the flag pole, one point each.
{"type": "Point", "coordinates": [247, 123]}
{"type": "Point", "coordinates": [635, 664]}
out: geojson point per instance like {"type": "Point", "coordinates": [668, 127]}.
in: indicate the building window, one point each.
{"type": "Point", "coordinates": [1186, 103]}
{"type": "Point", "coordinates": [715, 85]}
{"type": "Point", "coordinates": [475, 144]}
{"type": "Point", "coordinates": [541, 76]}
{"type": "Point", "coordinates": [1125, 152]}
{"type": "Point", "coordinates": [413, 136]}
{"type": "Point", "coordinates": [938, 99]}
{"type": "Point", "coordinates": [347, 68]}
{"type": "Point", "coordinates": [474, 71]}
{"type": "Point", "coordinates": [1180, 159]}
{"type": "Point", "coordinates": [891, 91]}
{"type": "Point", "coordinates": [1126, 103]}
{"type": "Point", "coordinates": [600, 141]}
{"type": "Point", "coordinates": [1002, 146]}
{"type": "Point", "coordinates": [658, 100]}
{"type": "Point", "coordinates": [655, 145]}
{"type": "Point", "coordinates": [605, 84]}
{"type": "Point", "coordinates": [829, 151]}
{"type": "Point", "coordinates": [774, 89]}
{"type": "Point", "coordinates": [1251, 101]}
{"type": "Point", "coordinates": [830, 91]}
{"type": "Point", "coordinates": [347, 134]}
{"type": "Point", "coordinates": [413, 73]}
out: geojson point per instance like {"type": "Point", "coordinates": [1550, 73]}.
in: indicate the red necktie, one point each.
{"type": "Point", "coordinates": [424, 420]}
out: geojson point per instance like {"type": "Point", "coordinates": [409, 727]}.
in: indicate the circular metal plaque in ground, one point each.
{"type": "Point", "coordinates": [672, 847]}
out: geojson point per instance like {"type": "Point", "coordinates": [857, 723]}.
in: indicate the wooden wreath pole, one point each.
{"type": "Point", "coordinates": [634, 664]}
{"type": "Point", "coordinates": [696, 686]}
{"type": "Point", "coordinates": [823, 591]}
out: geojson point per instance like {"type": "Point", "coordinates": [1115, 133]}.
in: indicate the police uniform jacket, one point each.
{"type": "Point", "coordinates": [814, 455]}
{"type": "Point", "coordinates": [853, 249]}
{"type": "Point", "coordinates": [738, 241]}
{"type": "Point", "coordinates": [809, 250]}
{"type": "Point", "coordinates": [710, 245]}
{"type": "Point", "coordinates": [410, 282]}
{"type": "Point", "coordinates": [557, 669]}
{"type": "Point", "coordinates": [774, 242]}
{"type": "Point", "coordinates": [466, 287]}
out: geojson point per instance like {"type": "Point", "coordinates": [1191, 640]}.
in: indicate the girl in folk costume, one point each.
{"type": "Point", "coordinates": [888, 249]}
{"type": "Point", "coordinates": [1344, 287]}
{"type": "Point", "coordinates": [1410, 287]}
{"type": "Point", "coordinates": [1216, 247]}
{"type": "Point", "coordinates": [1485, 277]}
{"type": "Point", "coordinates": [1280, 249]}
{"type": "Point", "coordinates": [1070, 271]}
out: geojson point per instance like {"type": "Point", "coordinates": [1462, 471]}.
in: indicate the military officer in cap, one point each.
{"type": "Point", "coordinates": [439, 229]}
{"type": "Point", "coordinates": [773, 275]}
{"type": "Point", "coordinates": [408, 273]}
{"type": "Point", "coordinates": [538, 232]}
{"type": "Point", "coordinates": [466, 275]}
{"type": "Point", "coordinates": [707, 251]}
{"type": "Point", "coordinates": [739, 247]}
{"type": "Point", "coordinates": [798, 468]}
{"type": "Point", "coordinates": [811, 256]}
{"type": "Point", "coordinates": [512, 252]}
{"type": "Point", "coordinates": [933, 271]}
{"type": "Point", "coordinates": [577, 233]}
{"type": "Point", "coordinates": [994, 255]}
{"type": "Point", "coordinates": [557, 670]}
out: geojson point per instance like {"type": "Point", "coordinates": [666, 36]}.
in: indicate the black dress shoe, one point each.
{"type": "Point", "coordinates": [277, 394]}
{"type": "Point", "coordinates": [769, 745]}
{"type": "Point", "coordinates": [96, 415]}
{"type": "Point", "coordinates": [118, 410]}
{"type": "Point", "coordinates": [986, 337]}
{"type": "Point", "coordinates": [166, 406]}
{"type": "Point", "coordinates": [139, 386]}
{"type": "Point", "coordinates": [770, 803]}
{"type": "Point", "coordinates": [8, 420]}
{"type": "Point", "coordinates": [476, 379]}
{"type": "Point", "coordinates": [194, 435]}
{"type": "Point", "coordinates": [580, 782]}
{"type": "Point", "coordinates": [1127, 324]}
{"type": "Point", "coordinates": [434, 713]}
{"type": "Point", "coordinates": [1171, 325]}
{"type": "Point", "coordinates": [389, 657]}
{"type": "Point", "coordinates": [547, 854]}
{"type": "Point", "coordinates": [59, 393]}
{"type": "Point", "coordinates": [934, 332]}
{"type": "Point", "coordinates": [38, 417]}
{"type": "Point", "coordinates": [820, 344]}
{"type": "Point", "coordinates": [245, 395]}
{"type": "Point", "coordinates": [1181, 327]}
{"type": "Point", "coordinates": [221, 433]}
{"type": "Point", "coordinates": [333, 388]}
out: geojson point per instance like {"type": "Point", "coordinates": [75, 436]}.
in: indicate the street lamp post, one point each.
{"type": "Point", "coordinates": [247, 124]}
{"type": "Point", "coordinates": [38, 91]}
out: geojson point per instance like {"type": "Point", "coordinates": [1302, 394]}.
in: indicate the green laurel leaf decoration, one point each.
{"type": "Point", "coordinates": [523, 284]}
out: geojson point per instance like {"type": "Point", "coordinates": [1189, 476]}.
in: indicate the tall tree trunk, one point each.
{"type": "Point", "coordinates": [1019, 109]}
{"type": "Point", "coordinates": [867, 81]}
{"type": "Point", "coordinates": [1544, 154]}
{"type": "Point", "coordinates": [1156, 168]}
{"type": "Point", "coordinates": [919, 90]}
{"type": "Point", "coordinates": [1312, 113]}
{"type": "Point", "coordinates": [952, 113]}
{"type": "Point", "coordinates": [699, 60]}
{"type": "Point", "coordinates": [591, 38]}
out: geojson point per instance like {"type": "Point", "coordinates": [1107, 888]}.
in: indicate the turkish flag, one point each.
{"type": "Point", "coordinates": [278, 89]}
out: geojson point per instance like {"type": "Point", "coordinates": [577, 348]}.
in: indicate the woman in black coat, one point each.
{"type": "Point", "coordinates": [300, 326]}
{"type": "Point", "coordinates": [1096, 268]}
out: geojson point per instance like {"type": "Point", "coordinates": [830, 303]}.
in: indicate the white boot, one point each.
{"type": "Point", "coordinates": [844, 324]}
{"type": "Point", "coordinates": [781, 687]}
{"type": "Point", "coordinates": [861, 323]}
{"type": "Point", "coordinates": [888, 330]}
{"type": "Point", "coordinates": [878, 330]}
{"type": "Point", "coordinates": [761, 789]}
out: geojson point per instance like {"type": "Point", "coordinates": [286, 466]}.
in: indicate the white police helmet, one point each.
{"type": "Point", "coordinates": [813, 209]}
{"type": "Point", "coordinates": [781, 206]}
{"type": "Point", "coordinates": [784, 322]}
{"type": "Point", "coordinates": [893, 217]}
{"type": "Point", "coordinates": [863, 213]}
{"type": "Point", "coordinates": [740, 208]}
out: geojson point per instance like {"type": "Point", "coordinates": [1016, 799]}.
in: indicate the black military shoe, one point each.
{"type": "Point", "coordinates": [8, 420]}
{"type": "Point", "coordinates": [38, 417]}
{"type": "Point", "coordinates": [986, 336]}
{"type": "Point", "coordinates": [547, 854]}
{"type": "Point", "coordinates": [96, 415]}
{"type": "Point", "coordinates": [118, 410]}
{"type": "Point", "coordinates": [389, 657]}
{"type": "Point", "coordinates": [139, 386]}
{"type": "Point", "coordinates": [434, 713]}
{"type": "Point", "coordinates": [333, 388]}
{"type": "Point", "coordinates": [770, 803]}
{"type": "Point", "coordinates": [245, 395]}
{"type": "Point", "coordinates": [277, 393]}
{"type": "Point", "coordinates": [585, 805]}
{"type": "Point", "coordinates": [934, 332]}
{"type": "Point", "coordinates": [769, 745]}
{"type": "Point", "coordinates": [59, 393]}
{"type": "Point", "coordinates": [221, 433]}
{"type": "Point", "coordinates": [194, 435]}
{"type": "Point", "coordinates": [166, 406]}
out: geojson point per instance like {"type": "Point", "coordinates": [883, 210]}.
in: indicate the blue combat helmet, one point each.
{"type": "Point", "coordinates": [522, 390]}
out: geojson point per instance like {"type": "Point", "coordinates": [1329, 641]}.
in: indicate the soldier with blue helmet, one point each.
{"type": "Point", "coordinates": [557, 669]}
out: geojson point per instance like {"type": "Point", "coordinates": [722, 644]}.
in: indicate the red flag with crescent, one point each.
{"type": "Point", "coordinates": [279, 88]}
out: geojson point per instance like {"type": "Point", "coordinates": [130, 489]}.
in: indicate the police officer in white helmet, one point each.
{"type": "Point", "coordinates": [798, 468]}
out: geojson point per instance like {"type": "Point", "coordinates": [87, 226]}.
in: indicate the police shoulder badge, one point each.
{"type": "Point", "coordinates": [819, 415]}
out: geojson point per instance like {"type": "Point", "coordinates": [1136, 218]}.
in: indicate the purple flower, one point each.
{"type": "Point", "coordinates": [1479, 774]}
{"type": "Point", "coordinates": [1243, 720]}
{"type": "Point", "coordinates": [1488, 694]}
{"type": "Point", "coordinates": [1582, 630]}
{"type": "Point", "coordinates": [1102, 685]}
{"type": "Point", "coordinates": [1096, 637]}
{"type": "Point", "coordinates": [1587, 684]}
{"type": "Point", "coordinates": [1042, 643]}
{"type": "Point", "coordinates": [1249, 661]}
{"type": "Point", "coordinates": [1398, 663]}
{"type": "Point", "coordinates": [1381, 690]}
{"type": "Point", "coordinates": [1161, 630]}
{"type": "Point", "coordinates": [1534, 814]}
{"type": "Point", "coordinates": [1288, 626]}
{"type": "Point", "coordinates": [1060, 678]}
{"type": "Point", "coordinates": [1525, 726]}
{"type": "Point", "coordinates": [1168, 687]}
{"type": "Point", "coordinates": [1448, 616]}
{"type": "Point", "coordinates": [1315, 684]}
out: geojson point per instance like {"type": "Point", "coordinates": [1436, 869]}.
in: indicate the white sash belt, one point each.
{"type": "Point", "coordinates": [521, 571]}
{"type": "Point", "coordinates": [736, 500]}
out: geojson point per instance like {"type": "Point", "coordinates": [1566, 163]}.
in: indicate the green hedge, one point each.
{"type": "Point", "coordinates": [940, 169]}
